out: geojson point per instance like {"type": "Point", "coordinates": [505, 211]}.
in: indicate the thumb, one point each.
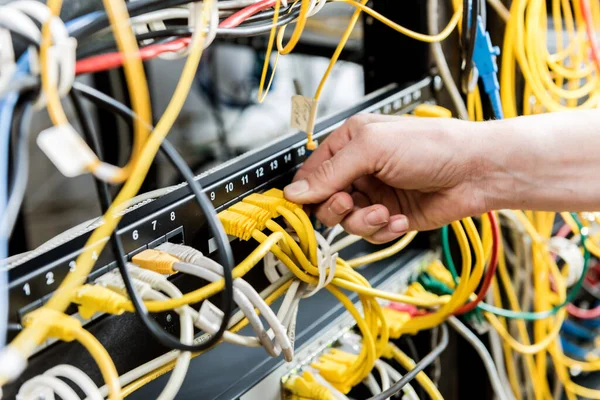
{"type": "Point", "coordinates": [331, 176]}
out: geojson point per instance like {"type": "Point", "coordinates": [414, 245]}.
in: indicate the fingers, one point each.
{"type": "Point", "coordinates": [335, 209]}
{"type": "Point", "coordinates": [339, 138]}
{"type": "Point", "coordinates": [366, 221]}
{"type": "Point", "coordinates": [397, 226]}
{"type": "Point", "coordinates": [331, 176]}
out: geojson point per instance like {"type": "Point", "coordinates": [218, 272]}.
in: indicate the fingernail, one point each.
{"type": "Point", "coordinates": [296, 188]}
{"type": "Point", "coordinates": [339, 207]}
{"type": "Point", "coordinates": [399, 225]}
{"type": "Point", "coordinates": [376, 217]}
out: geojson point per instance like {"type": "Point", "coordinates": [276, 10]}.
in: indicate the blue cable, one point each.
{"type": "Point", "coordinates": [484, 58]}
{"type": "Point", "coordinates": [7, 108]}
{"type": "Point", "coordinates": [571, 328]}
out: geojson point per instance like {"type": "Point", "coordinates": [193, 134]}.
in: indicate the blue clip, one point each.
{"type": "Point", "coordinates": [572, 349]}
{"type": "Point", "coordinates": [484, 58]}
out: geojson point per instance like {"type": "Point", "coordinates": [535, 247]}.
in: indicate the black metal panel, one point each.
{"type": "Point", "coordinates": [390, 57]}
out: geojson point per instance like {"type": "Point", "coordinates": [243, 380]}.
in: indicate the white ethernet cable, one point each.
{"type": "Point", "coordinates": [48, 384]}
{"type": "Point", "coordinates": [501, 392]}
{"type": "Point", "coordinates": [383, 375]}
{"type": "Point", "coordinates": [166, 358]}
{"type": "Point", "coordinates": [371, 383]}
{"type": "Point", "coordinates": [160, 282]}
{"type": "Point", "coordinates": [286, 316]}
{"type": "Point", "coordinates": [115, 282]}
{"type": "Point", "coordinates": [207, 269]}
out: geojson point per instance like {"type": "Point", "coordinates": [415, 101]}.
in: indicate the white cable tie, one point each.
{"type": "Point", "coordinates": [66, 149]}
{"type": "Point", "coordinates": [65, 56]}
{"type": "Point", "coordinates": [12, 363]}
{"type": "Point", "coordinates": [571, 255]}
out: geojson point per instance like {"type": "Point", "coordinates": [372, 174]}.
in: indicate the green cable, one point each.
{"type": "Point", "coordinates": [530, 316]}
{"type": "Point", "coordinates": [447, 255]}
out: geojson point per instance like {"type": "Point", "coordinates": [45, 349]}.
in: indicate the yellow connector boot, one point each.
{"type": "Point", "coordinates": [437, 270]}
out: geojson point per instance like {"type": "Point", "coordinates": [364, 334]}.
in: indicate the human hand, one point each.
{"type": "Point", "coordinates": [380, 176]}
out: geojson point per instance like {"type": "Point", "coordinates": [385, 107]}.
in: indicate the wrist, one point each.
{"type": "Point", "coordinates": [502, 159]}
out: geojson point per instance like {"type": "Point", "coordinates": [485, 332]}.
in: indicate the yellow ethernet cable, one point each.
{"type": "Point", "coordinates": [385, 253]}
{"type": "Point", "coordinates": [460, 295]}
{"type": "Point", "coordinates": [66, 328]}
{"type": "Point", "coordinates": [28, 339]}
{"type": "Point", "coordinates": [136, 81]}
{"type": "Point", "coordinates": [298, 29]}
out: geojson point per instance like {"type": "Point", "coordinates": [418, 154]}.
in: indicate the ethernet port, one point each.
{"type": "Point", "coordinates": [176, 236]}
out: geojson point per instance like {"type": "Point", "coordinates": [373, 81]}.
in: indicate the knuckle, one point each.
{"type": "Point", "coordinates": [325, 172]}
{"type": "Point", "coordinates": [357, 120]}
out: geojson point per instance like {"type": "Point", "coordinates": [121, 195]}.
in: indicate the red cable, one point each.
{"type": "Point", "coordinates": [491, 270]}
{"type": "Point", "coordinates": [107, 61]}
{"type": "Point", "coordinates": [583, 313]}
{"type": "Point", "coordinates": [114, 60]}
{"type": "Point", "coordinates": [589, 27]}
{"type": "Point", "coordinates": [240, 16]}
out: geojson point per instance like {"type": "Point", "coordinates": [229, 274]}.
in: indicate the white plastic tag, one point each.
{"type": "Point", "coordinates": [66, 149]}
{"type": "Point", "coordinates": [304, 112]}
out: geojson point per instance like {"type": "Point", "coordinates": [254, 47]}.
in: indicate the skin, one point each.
{"type": "Point", "coordinates": [380, 176]}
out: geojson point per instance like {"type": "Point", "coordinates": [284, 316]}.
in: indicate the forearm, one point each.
{"type": "Point", "coordinates": [547, 162]}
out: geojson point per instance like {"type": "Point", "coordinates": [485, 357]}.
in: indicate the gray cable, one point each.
{"type": "Point", "coordinates": [254, 30]}
{"type": "Point", "coordinates": [490, 367]}
{"type": "Point", "coordinates": [442, 64]}
{"type": "Point", "coordinates": [419, 367]}
{"type": "Point", "coordinates": [19, 186]}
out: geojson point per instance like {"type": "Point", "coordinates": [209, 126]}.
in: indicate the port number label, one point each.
{"type": "Point", "coordinates": [154, 225]}
{"type": "Point", "coordinates": [229, 187]}
{"type": "Point", "coordinates": [135, 234]}
{"type": "Point", "coordinates": [27, 289]}
{"type": "Point", "coordinates": [213, 196]}
{"type": "Point", "coordinates": [245, 180]}
{"type": "Point", "coordinates": [274, 165]}
{"type": "Point", "coordinates": [301, 151]}
{"type": "Point", "coordinates": [49, 278]}
{"type": "Point", "coordinates": [72, 266]}
{"type": "Point", "coordinates": [172, 215]}
{"type": "Point", "coordinates": [260, 172]}
{"type": "Point", "coordinates": [287, 158]}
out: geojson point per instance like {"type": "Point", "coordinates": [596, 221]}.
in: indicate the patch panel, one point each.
{"type": "Point", "coordinates": [38, 274]}
{"type": "Point", "coordinates": [175, 217]}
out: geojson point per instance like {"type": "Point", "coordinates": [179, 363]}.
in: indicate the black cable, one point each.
{"type": "Point", "coordinates": [420, 366]}
{"type": "Point", "coordinates": [268, 14]}
{"type": "Point", "coordinates": [468, 35]}
{"type": "Point", "coordinates": [255, 29]}
{"type": "Point", "coordinates": [225, 252]}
